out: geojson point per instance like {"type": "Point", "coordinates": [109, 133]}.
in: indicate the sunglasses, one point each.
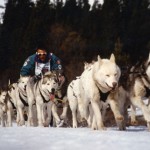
{"type": "Point", "coordinates": [41, 54]}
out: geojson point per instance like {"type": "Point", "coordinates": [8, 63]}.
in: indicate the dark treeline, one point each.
{"type": "Point", "coordinates": [74, 31]}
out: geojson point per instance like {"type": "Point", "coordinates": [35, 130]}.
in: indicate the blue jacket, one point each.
{"type": "Point", "coordinates": [29, 66]}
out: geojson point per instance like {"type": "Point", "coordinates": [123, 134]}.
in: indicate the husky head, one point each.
{"type": "Point", "coordinates": [22, 82]}
{"type": "Point", "coordinates": [106, 73]}
{"type": "Point", "coordinates": [147, 67]}
{"type": "Point", "coordinates": [49, 82]}
{"type": "Point", "coordinates": [3, 96]}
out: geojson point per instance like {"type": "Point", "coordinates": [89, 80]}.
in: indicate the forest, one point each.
{"type": "Point", "coordinates": [75, 32]}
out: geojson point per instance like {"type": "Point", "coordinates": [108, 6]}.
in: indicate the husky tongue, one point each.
{"type": "Point", "coordinates": [52, 97]}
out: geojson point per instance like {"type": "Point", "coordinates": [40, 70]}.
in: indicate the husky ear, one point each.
{"type": "Point", "coordinates": [9, 82]}
{"type": "Point", "coordinates": [149, 57]}
{"type": "Point", "coordinates": [112, 58]}
{"type": "Point", "coordinates": [99, 59]}
{"type": "Point", "coordinates": [85, 65]}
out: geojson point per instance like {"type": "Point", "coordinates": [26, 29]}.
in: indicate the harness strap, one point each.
{"type": "Point", "coordinates": [22, 100]}
{"type": "Point", "coordinates": [14, 107]}
{"type": "Point", "coordinates": [44, 100]}
{"type": "Point", "coordinates": [104, 95]}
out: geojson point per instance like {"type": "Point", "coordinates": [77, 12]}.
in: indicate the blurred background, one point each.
{"type": "Point", "coordinates": [74, 30]}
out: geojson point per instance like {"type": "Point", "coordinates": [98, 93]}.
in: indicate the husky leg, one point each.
{"type": "Point", "coordinates": [94, 126]}
{"type": "Point", "coordinates": [118, 117]}
{"type": "Point", "coordinates": [97, 115]}
{"type": "Point", "coordinates": [139, 103]}
{"type": "Point", "coordinates": [30, 118]}
{"type": "Point", "coordinates": [90, 117]}
{"type": "Point", "coordinates": [9, 114]}
{"type": "Point", "coordinates": [55, 115]}
{"type": "Point", "coordinates": [133, 115]}
{"type": "Point", "coordinates": [18, 118]}
{"type": "Point", "coordinates": [73, 106]}
{"type": "Point", "coordinates": [44, 114]}
{"type": "Point", "coordinates": [65, 108]}
{"type": "Point", "coordinates": [49, 113]}
{"type": "Point", "coordinates": [2, 118]}
{"type": "Point", "coordinates": [22, 121]}
{"type": "Point", "coordinates": [9, 117]}
{"type": "Point", "coordinates": [39, 114]}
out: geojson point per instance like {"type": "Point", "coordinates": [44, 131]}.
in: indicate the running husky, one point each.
{"type": "Point", "coordinates": [42, 93]}
{"type": "Point", "coordinates": [75, 102]}
{"type": "Point", "coordinates": [97, 82]}
{"type": "Point", "coordinates": [3, 108]}
{"type": "Point", "coordinates": [139, 87]}
{"type": "Point", "coordinates": [21, 99]}
{"type": "Point", "coordinates": [17, 99]}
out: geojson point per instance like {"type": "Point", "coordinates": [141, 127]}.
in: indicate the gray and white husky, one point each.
{"type": "Point", "coordinates": [138, 88]}
{"type": "Point", "coordinates": [17, 99]}
{"type": "Point", "coordinates": [3, 107]}
{"type": "Point", "coordinates": [42, 93]}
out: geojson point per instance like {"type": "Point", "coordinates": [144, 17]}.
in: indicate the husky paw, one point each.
{"type": "Point", "coordinates": [45, 125]}
{"type": "Point", "coordinates": [102, 128]}
{"type": "Point", "coordinates": [22, 123]}
{"type": "Point", "coordinates": [120, 118]}
{"type": "Point", "coordinates": [148, 125]}
{"type": "Point", "coordinates": [134, 123]}
{"type": "Point", "coordinates": [122, 128]}
{"type": "Point", "coordinates": [59, 124]}
{"type": "Point", "coordinates": [75, 126]}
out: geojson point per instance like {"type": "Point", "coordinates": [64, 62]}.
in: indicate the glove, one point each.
{"type": "Point", "coordinates": [59, 67]}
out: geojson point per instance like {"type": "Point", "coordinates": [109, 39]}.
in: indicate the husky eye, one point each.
{"type": "Point", "coordinates": [48, 84]}
{"type": "Point", "coordinates": [108, 75]}
{"type": "Point", "coordinates": [115, 74]}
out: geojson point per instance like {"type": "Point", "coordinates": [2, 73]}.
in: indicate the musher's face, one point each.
{"type": "Point", "coordinates": [42, 54]}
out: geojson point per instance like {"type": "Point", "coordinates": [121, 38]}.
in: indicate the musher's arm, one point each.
{"type": "Point", "coordinates": [28, 66]}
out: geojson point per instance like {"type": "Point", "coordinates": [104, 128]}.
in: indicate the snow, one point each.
{"type": "Point", "coordinates": [50, 138]}
{"type": "Point", "coordinates": [40, 138]}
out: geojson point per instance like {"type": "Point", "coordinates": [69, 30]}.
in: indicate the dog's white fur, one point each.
{"type": "Point", "coordinates": [75, 103]}
{"type": "Point", "coordinates": [103, 75]}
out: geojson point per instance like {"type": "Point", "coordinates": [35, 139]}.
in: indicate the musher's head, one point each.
{"type": "Point", "coordinates": [41, 53]}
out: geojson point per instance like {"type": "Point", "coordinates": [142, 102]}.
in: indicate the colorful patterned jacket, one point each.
{"type": "Point", "coordinates": [29, 66]}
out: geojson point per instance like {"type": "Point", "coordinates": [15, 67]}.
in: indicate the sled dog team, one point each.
{"type": "Point", "coordinates": [89, 96]}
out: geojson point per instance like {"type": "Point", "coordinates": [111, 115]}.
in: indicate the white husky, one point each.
{"type": "Point", "coordinates": [100, 80]}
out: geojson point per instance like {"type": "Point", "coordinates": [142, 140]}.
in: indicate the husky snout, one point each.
{"type": "Point", "coordinates": [114, 84]}
{"type": "Point", "coordinates": [52, 91]}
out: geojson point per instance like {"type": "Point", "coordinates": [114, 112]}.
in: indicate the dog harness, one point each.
{"type": "Point", "coordinates": [104, 95]}
{"type": "Point", "coordinates": [22, 98]}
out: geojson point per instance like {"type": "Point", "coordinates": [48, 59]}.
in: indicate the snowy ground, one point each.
{"type": "Point", "coordinates": [36, 138]}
